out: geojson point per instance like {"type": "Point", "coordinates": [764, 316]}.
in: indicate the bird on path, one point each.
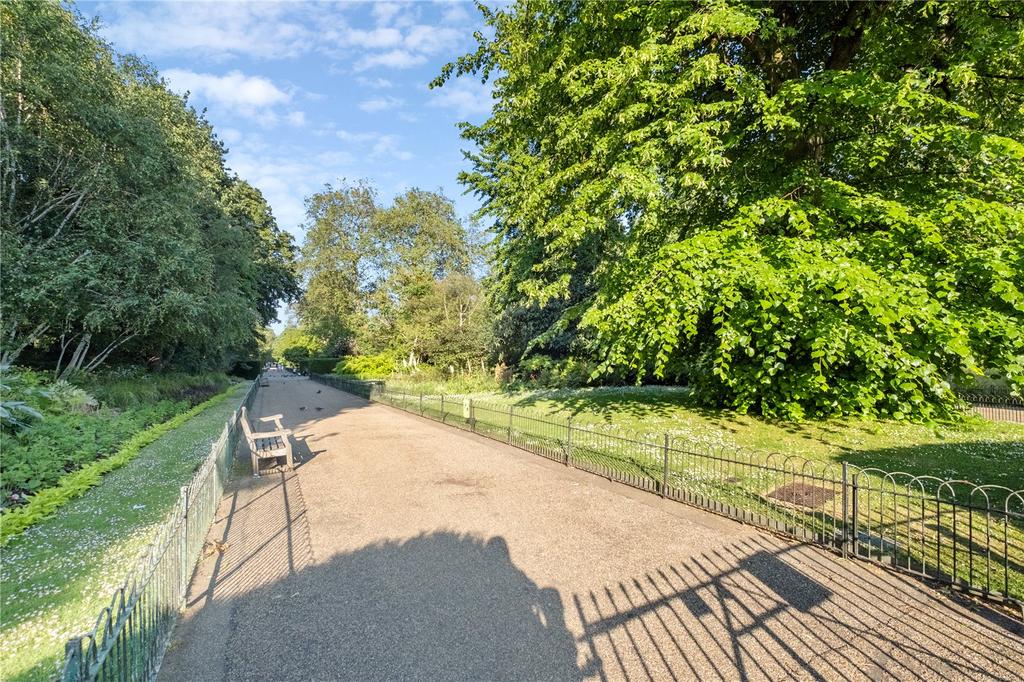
{"type": "Point", "coordinates": [302, 408]}
{"type": "Point", "coordinates": [318, 391]}
{"type": "Point", "coordinates": [319, 408]}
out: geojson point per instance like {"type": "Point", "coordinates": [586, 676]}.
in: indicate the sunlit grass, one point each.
{"type": "Point", "coordinates": [60, 573]}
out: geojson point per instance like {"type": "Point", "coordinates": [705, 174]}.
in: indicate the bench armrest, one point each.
{"type": "Point", "coordinates": [283, 433]}
{"type": "Point", "coordinates": [276, 418]}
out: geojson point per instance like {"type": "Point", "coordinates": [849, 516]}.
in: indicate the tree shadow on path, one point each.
{"type": "Point", "coordinates": [437, 606]}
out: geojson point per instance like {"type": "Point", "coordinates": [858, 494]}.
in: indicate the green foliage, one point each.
{"type": "Point", "coordinates": [543, 371]}
{"type": "Point", "coordinates": [124, 236]}
{"type": "Point", "coordinates": [52, 496]}
{"type": "Point", "coordinates": [392, 278]}
{"type": "Point", "coordinates": [294, 345]}
{"type": "Point", "coordinates": [128, 387]}
{"type": "Point", "coordinates": [67, 397]}
{"type": "Point", "coordinates": [367, 366]}
{"type": "Point", "coordinates": [318, 365]}
{"type": "Point", "coordinates": [74, 428]}
{"type": "Point", "coordinates": [21, 399]}
{"type": "Point", "coordinates": [797, 208]}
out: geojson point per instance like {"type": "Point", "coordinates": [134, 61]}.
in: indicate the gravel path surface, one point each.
{"type": "Point", "coordinates": [404, 549]}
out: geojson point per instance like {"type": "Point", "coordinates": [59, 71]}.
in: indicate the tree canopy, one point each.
{"type": "Point", "coordinates": [122, 230]}
{"type": "Point", "coordinates": [392, 278]}
{"type": "Point", "coordinates": [796, 208]}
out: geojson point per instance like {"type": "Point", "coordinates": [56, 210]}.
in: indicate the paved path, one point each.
{"type": "Point", "coordinates": [403, 549]}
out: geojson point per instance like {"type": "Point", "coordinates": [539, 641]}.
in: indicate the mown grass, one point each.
{"type": "Point", "coordinates": [59, 573]}
{"type": "Point", "coordinates": [973, 449]}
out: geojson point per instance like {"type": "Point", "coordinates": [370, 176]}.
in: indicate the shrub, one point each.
{"type": "Point", "coordinates": [367, 366]}
{"type": "Point", "coordinates": [125, 389]}
{"type": "Point", "coordinates": [546, 372]}
{"type": "Point", "coordinates": [71, 428]}
{"type": "Point", "coordinates": [37, 457]}
{"type": "Point", "coordinates": [317, 365]}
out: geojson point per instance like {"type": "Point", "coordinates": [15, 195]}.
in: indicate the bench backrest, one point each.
{"type": "Point", "coordinates": [245, 425]}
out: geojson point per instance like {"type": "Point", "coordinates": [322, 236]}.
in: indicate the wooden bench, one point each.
{"type": "Point", "coordinates": [267, 444]}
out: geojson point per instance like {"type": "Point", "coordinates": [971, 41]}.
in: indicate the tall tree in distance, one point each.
{"type": "Point", "coordinates": [395, 278]}
{"type": "Point", "coordinates": [796, 208]}
{"type": "Point", "coordinates": [338, 265]}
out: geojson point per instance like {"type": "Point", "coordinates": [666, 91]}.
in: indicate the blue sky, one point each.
{"type": "Point", "coordinates": [309, 93]}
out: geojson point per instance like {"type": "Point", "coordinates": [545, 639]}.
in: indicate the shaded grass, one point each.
{"type": "Point", "coordinates": [60, 573]}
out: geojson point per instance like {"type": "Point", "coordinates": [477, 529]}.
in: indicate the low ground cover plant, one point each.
{"type": "Point", "coordinates": [60, 572]}
{"type": "Point", "coordinates": [68, 425]}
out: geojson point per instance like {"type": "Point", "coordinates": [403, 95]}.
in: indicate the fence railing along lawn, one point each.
{"type": "Point", "coordinates": [131, 635]}
{"type": "Point", "coordinates": [966, 535]}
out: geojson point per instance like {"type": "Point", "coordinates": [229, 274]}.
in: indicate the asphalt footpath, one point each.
{"type": "Point", "coordinates": [402, 549]}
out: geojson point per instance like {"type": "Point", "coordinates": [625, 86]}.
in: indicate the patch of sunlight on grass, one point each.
{"type": "Point", "coordinates": [60, 573]}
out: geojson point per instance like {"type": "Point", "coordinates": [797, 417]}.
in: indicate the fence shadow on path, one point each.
{"type": "Point", "coordinates": [751, 610]}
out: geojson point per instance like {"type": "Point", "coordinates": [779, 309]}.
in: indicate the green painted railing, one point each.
{"type": "Point", "coordinates": [131, 635]}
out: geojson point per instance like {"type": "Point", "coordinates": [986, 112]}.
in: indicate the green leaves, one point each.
{"type": "Point", "coordinates": [798, 208]}
{"type": "Point", "coordinates": [123, 233]}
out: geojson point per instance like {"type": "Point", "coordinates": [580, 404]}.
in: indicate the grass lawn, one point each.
{"type": "Point", "coordinates": [60, 573]}
{"type": "Point", "coordinates": [975, 449]}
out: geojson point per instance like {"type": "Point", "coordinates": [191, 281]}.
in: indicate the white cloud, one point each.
{"type": "Point", "coordinates": [465, 96]}
{"type": "Point", "coordinates": [286, 176]}
{"type": "Point", "coordinates": [378, 38]}
{"type": "Point", "coordinates": [431, 39]}
{"type": "Point", "coordinates": [455, 13]}
{"type": "Point", "coordinates": [380, 145]}
{"type": "Point", "coordinates": [384, 12]}
{"type": "Point", "coordinates": [375, 83]}
{"type": "Point", "coordinates": [401, 35]}
{"type": "Point", "coordinates": [233, 89]}
{"type": "Point", "coordinates": [229, 135]}
{"type": "Point", "coordinates": [381, 104]}
{"type": "Point", "coordinates": [253, 97]}
{"type": "Point", "coordinates": [297, 118]}
{"type": "Point", "coordinates": [214, 29]}
{"type": "Point", "coordinates": [395, 59]}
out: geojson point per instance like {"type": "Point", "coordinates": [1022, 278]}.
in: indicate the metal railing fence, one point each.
{"type": "Point", "coordinates": [966, 535]}
{"type": "Point", "coordinates": [131, 635]}
{"type": "Point", "coordinates": [996, 406]}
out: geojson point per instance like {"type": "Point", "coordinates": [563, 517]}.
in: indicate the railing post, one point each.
{"type": "Point", "coordinates": [854, 504]}
{"type": "Point", "coordinates": [664, 472]}
{"type": "Point", "coordinates": [568, 440]}
{"type": "Point", "coordinates": [421, 403]}
{"type": "Point", "coordinates": [72, 660]}
{"type": "Point", "coordinates": [509, 423]}
{"type": "Point", "coordinates": [844, 540]}
{"type": "Point", "coordinates": [443, 415]}
{"type": "Point", "coordinates": [472, 416]}
{"type": "Point", "coordinates": [183, 557]}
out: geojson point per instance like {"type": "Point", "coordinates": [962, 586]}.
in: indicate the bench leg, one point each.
{"type": "Point", "coordinates": [255, 465]}
{"type": "Point", "coordinates": [288, 454]}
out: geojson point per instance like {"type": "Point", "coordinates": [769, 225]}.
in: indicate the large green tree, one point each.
{"type": "Point", "coordinates": [797, 208]}
{"type": "Point", "coordinates": [121, 232]}
{"type": "Point", "coordinates": [392, 278]}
